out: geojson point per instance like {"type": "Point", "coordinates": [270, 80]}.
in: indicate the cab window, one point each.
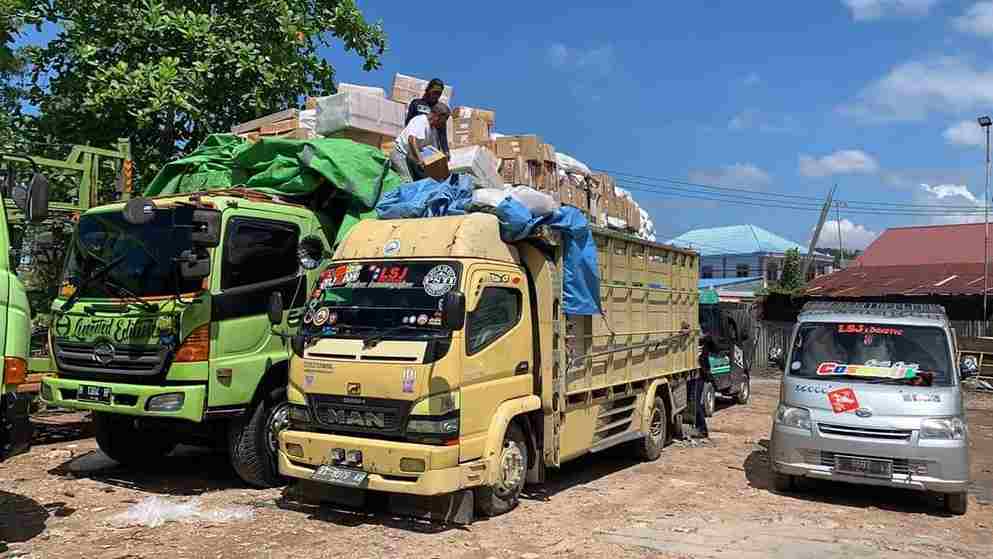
{"type": "Point", "coordinates": [258, 251]}
{"type": "Point", "coordinates": [499, 310]}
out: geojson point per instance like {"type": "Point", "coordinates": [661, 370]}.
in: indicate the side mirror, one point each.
{"type": "Point", "coordinates": [193, 266]}
{"type": "Point", "coordinates": [206, 228]}
{"type": "Point", "coordinates": [310, 252]}
{"type": "Point", "coordinates": [276, 308]}
{"type": "Point", "coordinates": [453, 311]}
{"type": "Point", "coordinates": [968, 366]}
{"type": "Point", "coordinates": [37, 203]}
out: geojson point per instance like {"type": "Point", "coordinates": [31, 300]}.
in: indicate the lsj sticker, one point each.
{"type": "Point", "coordinates": [408, 379]}
{"type": "Point", "coordinates": [439, 280]}
{"type": "Point", "coordinates": [843, 400]}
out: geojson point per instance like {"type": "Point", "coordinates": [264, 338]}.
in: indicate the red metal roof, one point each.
{"type": "Point", "coordinates": [932, 244]}
{"type": "Point", "coordinates": [876, 281]}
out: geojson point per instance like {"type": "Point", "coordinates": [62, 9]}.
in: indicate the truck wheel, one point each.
{"type": "Point", "coordinates": [253, 441]}
{"type": "Point", "coordinates": [744, 392]}
{"type": "Point", "coordinates": [956, 503]}
{"type": "Point", "coordinates": [783, 483]}
{"type": "Point", "coordinates": [709, 399]}
{"type": "Point", "coordinates": [512, 469]}
{"type": "Point", "coordinates": [650, 446]}
{"type": "Point", "coordinates": [119, 438]}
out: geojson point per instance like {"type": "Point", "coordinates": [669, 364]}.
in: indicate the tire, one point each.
{"type": "Point", "coordinates": [744, 392]}
{"type": "Point", "coordinates": [783, 483]}
{"type": "Point", "coordinates": [503, 496]}
{"type": "Point", "coordinates": [119, 438]}
{"type": "Point", "coordinates": [956, 503]}
{"type": "Point", "coordinates": [650, 446]}
{"type": "Point", "coordinates": [709, 399]}
{"type": "Point", "coordinates": [253, 444]}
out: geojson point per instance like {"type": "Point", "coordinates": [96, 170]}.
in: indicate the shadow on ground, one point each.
{"type": "Point", "coordinates": [759, 475]}
{"type": "Point", "coordinates": [187, 471]}
{"type": "Point", "coordinates": [23, 518]}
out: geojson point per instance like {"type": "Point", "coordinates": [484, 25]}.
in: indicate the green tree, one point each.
{"type": "Point", "coordinates": [791, 278]}
{"type": "Point", "coordinates": [166, 73]}
{"type": "Point", "coordinates": [14, 123]}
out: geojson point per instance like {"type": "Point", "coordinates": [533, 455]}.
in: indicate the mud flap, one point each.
{"type": "Point", "coordinates": [454, 508]}
{"type": "Point", "coordinates": [15, 425]}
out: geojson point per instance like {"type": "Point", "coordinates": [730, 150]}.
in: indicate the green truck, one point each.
{"type": "Point", "coordinates": [730, 367]}
{"type": "Point", "coordinates": [30, 198]}
{"type": "Point", "coordinates": [161, 325]}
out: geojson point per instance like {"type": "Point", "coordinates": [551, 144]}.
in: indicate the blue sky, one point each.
{"type": "Point", "coordinates": [877, 96]}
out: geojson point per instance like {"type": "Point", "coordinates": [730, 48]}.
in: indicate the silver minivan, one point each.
{"type": "Point", "coordinates": [871, 394]}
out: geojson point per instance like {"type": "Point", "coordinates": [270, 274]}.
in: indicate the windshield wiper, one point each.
{"type": "Point", "coordinates": [374, 339]}
{"type": "Point", "coordinates": [128, 294]}
{"type": "Point", "coordinates": [90, 279]}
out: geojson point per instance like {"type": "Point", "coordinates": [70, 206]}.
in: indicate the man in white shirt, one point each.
{"type": "Point", "coordinates": [420, 132]}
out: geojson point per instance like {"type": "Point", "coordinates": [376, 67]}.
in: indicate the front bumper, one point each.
{"type": "Point", "coordinates": [942, 466]}
{"type": "Point", "coordinates": [128, 399]}
{"type": "Point", "coordinates": [15, 424]}
{"type": "Point", "coordinates": [381, 459]}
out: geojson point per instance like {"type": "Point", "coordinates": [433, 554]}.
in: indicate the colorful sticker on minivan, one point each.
{"type": "Point", "coordinates": [843, 400]}
{"type": "Point", "coordinates": [897, 370]}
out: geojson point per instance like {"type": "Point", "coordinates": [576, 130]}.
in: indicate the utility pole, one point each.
{"type": "Point", "coordinates": [841, 246]}
{"type": "Point", "coordinates": [985, 122]}
{"type": "Point", "coordinates": [817, 233]}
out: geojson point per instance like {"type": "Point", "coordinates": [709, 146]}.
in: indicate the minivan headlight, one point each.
{"type": "Point", "coordinates": [789, 416]}
{"type": "Point", "coordinates": [943, 428]}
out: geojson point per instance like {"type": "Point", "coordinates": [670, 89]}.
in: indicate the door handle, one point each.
{"type": "Point", "coordinates": [522, 368]}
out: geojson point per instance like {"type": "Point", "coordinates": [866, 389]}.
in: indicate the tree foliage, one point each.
{"type": "Point", "coordinates": [166, 73]}
{"type": "Point", "coordinates": [791, 278]}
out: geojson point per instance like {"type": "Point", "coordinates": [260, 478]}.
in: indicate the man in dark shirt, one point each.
{"type": "Point", "coordinates": [697, 386]}
{"type": "Point", "coordinates": [423, 106]}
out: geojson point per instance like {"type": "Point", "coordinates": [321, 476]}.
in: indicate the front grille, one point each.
{"type": "Point", "coordinates": [369, 416]}
{"type": "Point", "coordinates": [864, 432]}
{"type": "Point", "coordinates": [901, 466]}
{"type": "Point", "coordinates": [76, 360]}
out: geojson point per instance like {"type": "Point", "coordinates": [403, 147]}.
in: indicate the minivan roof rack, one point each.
{"type": "Point", "coordinates": [923, 310]}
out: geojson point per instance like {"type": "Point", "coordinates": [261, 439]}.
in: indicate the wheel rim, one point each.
{"type": "Point", "coordinates": [745, 389]}
{"type": "Point", "coordinates": [710, 399]}
{"type": "Point", "coordinates": [279, 419]}
{"type": "Point", "coordinates": [511, 469]}
{"type": "Point", "coordinates": [657, 427]}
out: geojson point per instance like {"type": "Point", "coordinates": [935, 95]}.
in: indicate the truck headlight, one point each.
{"type": "Point", "coordinates": [298, 414]}
{"type": "Point", "coordinates": [166, 402]}
{"type": "Point", "coordinates": [789, 416]}
{"type": "Point", "coordinates": [445, 427]}
{"type": "Point", "coordinates": [943, 428]}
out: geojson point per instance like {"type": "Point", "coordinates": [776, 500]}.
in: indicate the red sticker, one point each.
{"type": "Point", "coordinates": [843, 400]}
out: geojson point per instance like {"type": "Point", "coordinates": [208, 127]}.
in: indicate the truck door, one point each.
{"type": "Point", "coordinates": [499, 354]}
{"type": "Point", "coordinates": [258, 256]}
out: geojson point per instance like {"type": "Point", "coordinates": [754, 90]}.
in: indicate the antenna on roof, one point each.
{"type": "Point", "coordinates": [817, 232]}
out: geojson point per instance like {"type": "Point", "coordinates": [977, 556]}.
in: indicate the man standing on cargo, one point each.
{"type": "Point", "coordinates": [423, 106]}
{"type": "Point", "coordinates": [420, 132]}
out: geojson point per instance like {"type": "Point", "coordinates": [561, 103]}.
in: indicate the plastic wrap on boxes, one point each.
{"type": "Point", "coordinates": [478, 162]}
{"type": "Point", "coordinates": [308, 119]}
{"type": "Point", "coordinates": [363, 89]}
{"type": "Point", "coordinates": [408, 88]}
{"type": "Point", "coordinates": [488, 197]}
{"type": "Point", "coordinates": [538, 203]}
{"type": "Point", "coordinates": [359, 112]}
{"type": "Point", "coordinates": [571, 165]}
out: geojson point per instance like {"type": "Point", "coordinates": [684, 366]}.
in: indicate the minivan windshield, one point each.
{"type": "Point", "coordinates": [403, 298]}
{"type": "Point", "coordinates": [872, 353]}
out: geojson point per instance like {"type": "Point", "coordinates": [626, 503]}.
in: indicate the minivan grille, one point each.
{"type": "Point", "coordinates": [864, 432]}
{"type": "Point", "coordinates": [901, 466]}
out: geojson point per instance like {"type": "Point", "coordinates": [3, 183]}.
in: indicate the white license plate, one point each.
{"type": "Point", "coordinates": [863, 466]}
{"type": "Point", "coordinates": [101, 394]}
{"type": "Point", "coordinates": [339, 476]}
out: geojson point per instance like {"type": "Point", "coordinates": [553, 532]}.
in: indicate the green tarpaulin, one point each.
{"type": "Point", "coordinates": [284, 168]}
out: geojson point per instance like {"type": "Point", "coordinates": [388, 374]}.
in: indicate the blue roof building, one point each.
{"type": "Point", "coordinates": [745, 251]}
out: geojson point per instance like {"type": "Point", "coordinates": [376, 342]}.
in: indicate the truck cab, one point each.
{"type": "Point", "coordinates": [161, 330]}
{"type": "Point", "coordinates": [871, 395]}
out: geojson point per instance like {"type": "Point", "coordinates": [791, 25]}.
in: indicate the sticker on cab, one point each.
{"type": "Point", "coordinates": [408, 379]}
{"type": "Point", "coordinates": [439, 280]}
{"type": "Point", "coordinates": [843, 400]}
{"type": "Point", "coordinates": [321, 316]}
{"type": "Point", "coordinates": [392, 248]}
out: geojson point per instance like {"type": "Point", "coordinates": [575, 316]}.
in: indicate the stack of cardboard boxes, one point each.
{"type": "Point", "coordinates": [290, 124]}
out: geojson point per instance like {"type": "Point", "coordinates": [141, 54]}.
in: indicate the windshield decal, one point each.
{"type": "Point", "coordinates": [869, 329]}
{"type": "Point", "coordinates": [439, 280]}
{"type": "Point", "coordinates": [843, 400]}
{"type": "Point", "coordinates": [896, 371]}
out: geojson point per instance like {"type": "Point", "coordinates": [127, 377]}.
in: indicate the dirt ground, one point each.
{"type": "Point", "coordinates": [711, 500]}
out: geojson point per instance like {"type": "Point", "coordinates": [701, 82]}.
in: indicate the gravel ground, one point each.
{"type": "Point", "coordinates": [64, 499]}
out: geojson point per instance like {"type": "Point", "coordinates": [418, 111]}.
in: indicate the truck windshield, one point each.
{"type": "Point", "coordinates": [872, 352]}
{"type": "Point", "coordinates": [356, 298]}
{"type": "Point", "coordinates": [144, 254]}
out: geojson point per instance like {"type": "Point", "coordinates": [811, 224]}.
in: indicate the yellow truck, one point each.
{"type": "Point", "coordinates": [435, 361]}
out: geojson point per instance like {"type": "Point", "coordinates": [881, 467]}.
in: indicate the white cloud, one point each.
{"type": "Point", "coordinates": [915, 89]}
{"type": "Point", "coordinates": [842, 162]}
{"type": "Point", "coordinates": [965, 133]}
{"type": "Point", "coordinates": [754, 119]}
{"type": "Point", "coordinates": [596, 60]}
{"type": "Point", "coordinates": [867, 10]}
{"type": "Point", "coordinates": [953, 199]}
{"type": "Point", "coordinates": [744, 175]}
{"type": "Point", "coordinates": [977, 20]}
{"type": "Point", "coordinates": [853, 235]}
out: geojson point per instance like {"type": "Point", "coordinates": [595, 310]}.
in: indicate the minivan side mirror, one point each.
{"type": "Point", "coordinates": [276, 308]}
{"type": "Point", "coordinates": [453, 310]}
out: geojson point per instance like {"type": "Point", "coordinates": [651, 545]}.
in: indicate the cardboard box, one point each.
{"type": "Point", "coordinates": [258, 123]}
{"type": "Point", "coordinates": [471, 131]}
{"type": "Point", "coordinates": [407, 88]}
{"type": "Point", "coordinates": [435, 164]}
{"type": "Point", "coordinates": [471, 112]}
{"type": "Point", "coordinates": [280, 127]}
{"type": "Point", "coordinates": [363, 89]}
{"type": "Point", "coordinates": [528, 147]}
{"type": "Point", "coordinates": [634, 217]}
{"type": "Point", "coordinates": [517, 170]}
{"type": "Point", "coordinates": [359, 112]}
{"type": "Point", "coordinates": [478, 162]}
{"type": "Point", "coordinates": [361, 136]}
{"type": "Point", "coordinates": [617, 208]}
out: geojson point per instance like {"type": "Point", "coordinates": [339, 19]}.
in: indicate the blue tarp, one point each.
{"type": "Point", "coordinates": [581, 281]}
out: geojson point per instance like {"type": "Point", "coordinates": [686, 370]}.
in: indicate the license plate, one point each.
{"type": "Point", "coordinates": [863, 466]}
{"type": "Point", "coordinates": [339, 476]}
{"type": "Point", "coordinates": [101, 394]}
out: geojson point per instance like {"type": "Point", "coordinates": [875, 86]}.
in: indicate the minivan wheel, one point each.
{"type": "Point", "coordinates": [783, 483]}
{"type": "Point", "coordinates": [956, 503]}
